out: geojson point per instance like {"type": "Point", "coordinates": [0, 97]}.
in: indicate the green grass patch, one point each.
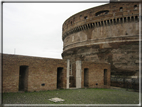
{"type": "Point", "coordinates": [74, 96]}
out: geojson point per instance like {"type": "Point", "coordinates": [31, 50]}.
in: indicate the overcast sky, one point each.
{"type": "Point", "coordinates": [35, 29]}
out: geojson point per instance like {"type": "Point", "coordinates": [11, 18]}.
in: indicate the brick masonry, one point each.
{"type": "Point", "coordinates": [105, 34]}
{"type": "Point", "coordinates": [44, 71]}
{"type": "Point", "coordinates": [103, 38]}
{"type": "Point", "coordinates": [40, 71]}
{"type": "Point", "coordinates": [96, 74]}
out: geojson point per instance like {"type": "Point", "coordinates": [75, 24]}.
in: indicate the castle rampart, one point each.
{"type": "Point", "coordinates": [100, 44]}
{"type": "Point", "coordinates": [105, 34]}
{"type": "Point", "coordinates": [102, 22]}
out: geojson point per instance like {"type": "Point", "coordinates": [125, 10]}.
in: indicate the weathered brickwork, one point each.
{"type": "Point", "coordinates": [40, 71]}
{"type": "Point", "coordinates": [99, 44]}
{"type": "Point", "coordinates": [105, 34]}
{"type": "Point", "coordinates": [96, 74]}
{"type": "Point", "coordinates": [48, 74]}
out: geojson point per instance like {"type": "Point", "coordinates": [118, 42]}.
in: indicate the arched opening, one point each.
{"type": "Point", "coordinates": [114, 21]}
{"type": "Point", "coordinates": [136, 18]}
{"type": "Point", "coordinates": [93, 24]}
{"type": "Point", "coordinates": [101, 23]}
{"type": "Point", "coordinates": [121, 9]}
{"type": "Point", "coordinates": [108, 22]}
{"type": "Point", "coordinates": [23, 78]}
{"type": "Point", "coordinates": [135, 7]}
{"type": "Point", "coordinates": [85, 17]}
{"type": "Point", "coordinates": [96, 24]}
{"type": "Point", "coordinates": [117, 20]}
{"type": "Point", "coordinates": [105, 22]}
{"type": "Point", "coordinates": [88, 26]}
{"type": "Point", "coordinates": [59, 77]}
{"type": "Point", "coordinates": [124, 19]}
{"type": "Point", "coordinates": [128, 19]}
{"type": "Point", "coordinates": [86, 72]}
{"type": "Point", "coordinates": [121, 20]}
{"type": "Point", "coordinates": [132, 18]}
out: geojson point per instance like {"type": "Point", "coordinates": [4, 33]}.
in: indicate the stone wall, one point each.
{"type": "Point", "coordinates": [105, 34]}
{"type": "Point", "coordinates": [121, 56]}
{"type": "Point", "coordinates": [42, 73]}
{"type": "Point", "coordinates": [111, 33]}
{"type": "Point", "coordinates": [104, 14]}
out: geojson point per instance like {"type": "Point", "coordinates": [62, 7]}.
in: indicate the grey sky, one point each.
{"type": "Point", "coordinates": [35, 29]}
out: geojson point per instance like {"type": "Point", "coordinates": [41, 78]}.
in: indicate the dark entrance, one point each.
{"type": "Point", "coordinates": [86, 77]}
{"type": "Point", "coordinates": [23, 78]}
{"type": "Point", "coordinates": [59, 77]}
{"type": "Point", "coordinates": [105, 76]}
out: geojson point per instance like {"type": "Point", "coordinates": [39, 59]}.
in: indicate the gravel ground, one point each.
{"type": "Point", "coordinates": [74, 96]}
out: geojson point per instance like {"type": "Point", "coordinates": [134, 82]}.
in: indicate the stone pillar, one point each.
{"type": "Point", "coordinates": [78, 74]}
{"type": "Point", "coordinates": [106, 22]}
{"type": "Point", "coordinates": [123, 19]}
{"type": "Point", "coordinates": [126, 19]}
{"type": "Point", "coordinates": [112, 22]}
{"type": "Point", "coordinates": [68, 69]}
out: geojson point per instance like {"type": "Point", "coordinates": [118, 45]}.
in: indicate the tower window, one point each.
{"type": "Point", "coordinates": [121, 20]}
{"type": "Point", "coordinates": [85, 17]}
{"type": "Point", "coordinates": [111, 21]}
{"type": "Point", "coordinates": [121, 9]}
{"type": "Point", "coordinates": [136, 18]}
{"type": "Point", "coordinates": [124, 19]}
{"type": "Point", "coordinates": [135, 7]}
{"type": "Point", "coordinates": [102, 12]}
{"type": "Point", "coordinates": [80, 16]}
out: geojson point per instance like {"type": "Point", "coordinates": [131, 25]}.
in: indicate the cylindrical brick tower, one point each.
{"type": "Point", "coordinates": [107, 33]}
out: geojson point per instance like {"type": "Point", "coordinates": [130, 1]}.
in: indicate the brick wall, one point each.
{"type": "Point", "coordinates": [96, 74]}
{"type": "Point", "coordinates": [40, 71]}
{"type": "Point", "coordinates": [109, 34]}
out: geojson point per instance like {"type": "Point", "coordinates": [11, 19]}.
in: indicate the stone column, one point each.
{"type": "Point", "coordinates": [78, 74]}
{"type": "Point", "coordinates": [68, 69]}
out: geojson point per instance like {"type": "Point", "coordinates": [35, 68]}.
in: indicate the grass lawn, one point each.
{"type": "Point", "coordinates": [74, 96]}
